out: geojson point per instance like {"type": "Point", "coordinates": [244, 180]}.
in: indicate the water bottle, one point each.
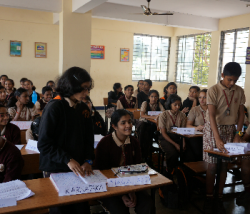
{"type": "Point", "coordinates": [34, 97]}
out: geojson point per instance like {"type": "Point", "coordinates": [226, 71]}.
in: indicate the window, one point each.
{"type": "Point", "coordinates": [150, 57]}
{"type": "Point", "coordinates": [193, 59]}
{"type": "Point", "coordinates": [233, 48]}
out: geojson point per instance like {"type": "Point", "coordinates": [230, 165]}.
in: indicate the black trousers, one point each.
{"type": "Point", "coordinates": [78, 208]}
{"type": "Point", "coordinates": [115, 205]}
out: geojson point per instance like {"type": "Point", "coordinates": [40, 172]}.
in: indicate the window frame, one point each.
{"type": "Point", "coordinates": [222, 39]}
{"type": "Point", "coordinates": [168, 56]}
{"type": "Point", "coordinates": [177, 52]}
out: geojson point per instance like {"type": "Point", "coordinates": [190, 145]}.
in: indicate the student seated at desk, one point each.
{"type": "Point", "coordinates": [3, 100]}
{"type": "Point", "coordinates": [33, 132]}
{"type": "Point", "coordinates": [170, 88]}
{"type": "Point", "coordinates": [192, 99]}
{"type": "Point", "coordinates": [139, 88]}
{"type": "Point", "coordinates": [10, 90]}
{"type": "Point", "coordinates": [113, 96]}
{"type": "Point", "coordinates": [143, 95]}
{"type": "Point", "coordinates": [22, 81]}
{"type": "Point", "coordinates": [127, 101]}
{"type": "Point", "coordinates": [20, 107]}
{"type": "Point", "coordinates": [3, 78]}
{"type": "Point", "coordinates": [66, 138]}
{"type": "Point", "coordinates": [121, 149]}
{"type": "Point", "coordinates": [11, 161]}
{"type": "Point", "coordinates": [28, 85]}
{"type": "Point", "coordinates": [47, 96]}
{"type": "Point", "coordinates": [145, 129]}
{"type": "Point", "coordinates": [51, 84]}
{"type": "Point", "coordinates": [171, 118]}
{"type": "Point", "coordinates": [10, 131]}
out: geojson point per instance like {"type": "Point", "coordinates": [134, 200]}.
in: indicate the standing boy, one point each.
{"type": "Point", "coordinates": [143, 95]}
{"type": "Point", "coordinates": [225, 102]}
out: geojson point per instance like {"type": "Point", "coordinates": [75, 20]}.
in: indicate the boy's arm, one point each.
{"type": "Point", "coordinates": [240, 123]}
{"type": "Point", "coordinates": [218, 141]}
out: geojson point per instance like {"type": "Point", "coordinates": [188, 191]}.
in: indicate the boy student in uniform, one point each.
{"type": "Point", "coordinates": [171, 118]}
{"type": "Point", "coordinates": [139, 88]}
{"type": "Point", "coordinates": [22, 81]}
{"type": "Point", "coordinates": [225, 102]}
{"type": "Point", "coordinates": [10, 131]}
{"type": "Point", "coordinates": [66, 139]}
{"type": "Point", "coordinates": [28, 85]}
{"type": "Point", "coordinates": [127, 101]}
{"type": "Point", "coordinates": [47, 96]}
{"type": "Point", "coordinates": [3, 78]}
{"type": "Point", "coordinates": [51, 84]}
{"type": "Point", "coordinates": [143, 95]}
{"type": "Point", "coordinates": [9, 87]}
{"type": "Point", "coordinates": [113, 96]}
{"type": "Point", "coordinates": [121, 149]}
{"type": "Point", "coordinates": [20, 107]}
{"type": "Point", "coordinates": [191, 100]}
{"type": "Point", "coordinates": [3, 100]}
{"type": "Point", "coordinates": [144, 127]}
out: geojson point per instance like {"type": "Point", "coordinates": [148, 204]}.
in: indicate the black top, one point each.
{"type": "Point", "coordinates": [188, 103]}
{"type": "Point", "coordinates": [64, 133]}
{"type": "Point", "coordinates": [113, 97]}
{"type": "Point", "coordinates": [38, 96]}
{"type": "Point", "coordinates": [141, 97]}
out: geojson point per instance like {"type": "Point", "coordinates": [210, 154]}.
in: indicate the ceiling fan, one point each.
{"type": "Point", "coordinates": [147, 11]}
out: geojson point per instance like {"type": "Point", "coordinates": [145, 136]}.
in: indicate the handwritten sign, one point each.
{"type": "Point", "coordinates": [23, 125]}
{"type": "Point", "coordinates": [82, 189]}
{"type": "Point", "coordinates": [186, 131]}
{"type": "Point", "coordinates": [8, 202]}
{"type": "Point", "coordinates": [245, 145]}
{"type": "Point", "coordinates": [154, 113]}
{"type": "Point", "coordinates": [129, 181]}
{"type": "Point", "coordinates": [32, 145]}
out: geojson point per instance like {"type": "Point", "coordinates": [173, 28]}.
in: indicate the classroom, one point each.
{"type": "Point", "coordinates": [155, 86]}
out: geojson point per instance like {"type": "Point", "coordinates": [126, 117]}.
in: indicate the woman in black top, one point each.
{"type": "Point", "coordinates": [113, 96]}
{"type": "Point", "coordinates": [66, 139]}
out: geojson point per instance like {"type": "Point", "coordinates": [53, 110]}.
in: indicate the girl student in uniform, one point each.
{"type": "Point", "coordinates": [171, 118]}
{"type": "Point", "coordinates": [28, 85]}
{"type": "Point", "coordinates": [66, 138]}
{"type": "Point", "coordinates": [121, 149]}
{"type": "Point", "coordinates": [127, 100]}
{"type": "Point", "coordinates": [20, 107]}
{"type": "Point", "coordinates": [144, 127]}
{"type": "Point", "coordinates": [9, 87]}
{"type": "Point", "coordinates": [3, 78]}
{"type": "Point", "coordinates": [3, 100]}
{"type": "Point", "coordinates": [225, 102]}
{"type": "Point", "coordinates": [139, 88]}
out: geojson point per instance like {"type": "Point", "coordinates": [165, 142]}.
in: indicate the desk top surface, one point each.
{"type": "Point", "coordinates": [228, 155]}
{"type": "Point", "coordinates": [27, 152]}
{"type": "Point", "coordinates": [46, 195]}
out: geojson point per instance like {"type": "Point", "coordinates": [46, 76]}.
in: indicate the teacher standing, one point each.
{"type": "Point", "coordinates": [66, 139]}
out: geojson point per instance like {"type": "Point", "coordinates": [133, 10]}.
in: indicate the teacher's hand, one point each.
{"type": "Point", "coordinates": [87, 169]}
{"type": "Point", "coordinates": [76, 168]}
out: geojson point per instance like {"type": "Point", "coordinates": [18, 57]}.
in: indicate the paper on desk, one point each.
{"type": "Point", "coordinates": [98, 138]}
{"type": "Point", "coordinates": [245, 145]}
{"type": "Point", "coordinates": [32, 145]}
{"type": "Point", "coordinates": [19, 146]}
{"type": "Point", "coordinates": [186, 131]}
{"type": "Point", "coordinates": [98, 177]}
{"type": "Point", "coordinates": [154, 113]}
{"type": "Point", "coordinates": [23, 125]}
{"type": "Point", "coordinates": [129, 181]}
{"type": "Point", "coordinates": [8, 202]}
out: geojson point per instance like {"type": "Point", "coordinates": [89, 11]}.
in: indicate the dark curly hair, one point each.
{"type": "Point", "coordinates": [171, 99]}
{"type": "Point", "coordinates": [70, 82]}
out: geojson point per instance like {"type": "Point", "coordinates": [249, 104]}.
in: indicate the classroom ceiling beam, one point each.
{"type": "Point", "coordinates": [83, 6]}
{"type": "Point", "coordinates": [129, 13]}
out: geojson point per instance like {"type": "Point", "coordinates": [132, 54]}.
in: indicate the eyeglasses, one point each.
{"type": "Point", "coordinates": [86, 89]}
{"type": "Point", "coordinates": [4, 115]}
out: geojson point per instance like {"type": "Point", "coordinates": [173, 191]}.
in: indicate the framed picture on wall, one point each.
{"type": "Point", "coordinates": [40, 50]}
{"type": "Point", "coordinates": [15, 48]}
{"type": "Point", "coordinates": [124, 55]}
{"type": "Point", "coordinates": [97, 52]}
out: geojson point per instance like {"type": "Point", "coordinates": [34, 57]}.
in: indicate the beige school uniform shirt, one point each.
{"type": "Point", "coordinates": [152, 107]}
{"type": "Point", "coordinates": [216, 97]}
{"type": "Point", "coordinates": [165, 121]}
{"type": "Point", "coordinates": [197, 115]}
{"type": "Point", "coordinates": [120, 106]}
{"type": "Point", "coordinates": [25, 114]}
{"type": "Point", "coordinates": [37, 104]}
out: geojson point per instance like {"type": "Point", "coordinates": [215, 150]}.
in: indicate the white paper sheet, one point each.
{"type": "Point", "coordinates": [32, 145]}
{"type": "Point", "coordinates": [98, 177]}
{"type": "Point", "coordinates": [19, 146]}
{"type": "Point", "coordinates": [186, 131]}
{"type": "Point", "coordinates": [129, 181]}
{"type": "Point", "coordinates": [98, 138]}
{"type": "Point", "coordinates": [245, 145]}
{"type": "Point", "coordinates": [8, 202]}
{"type": "Point", "coordinates": [154, 113]}
{"type": "Point", "coordinates": [23, 125]}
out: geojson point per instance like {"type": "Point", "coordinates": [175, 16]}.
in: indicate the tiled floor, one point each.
{"type": "Point", "coordinates": [229, 201]}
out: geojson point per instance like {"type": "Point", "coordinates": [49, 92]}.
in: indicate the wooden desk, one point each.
{"type": "Point", "coordinates": [152, 120]}
{"type": "Point", "coordinates": [31, 161]}
{"type": "Point", "coordinates": [46, 195]}
{"type": "Point", "coordinates": [23, 136]}
{"type": "Point", "coordinates": [132, 109]}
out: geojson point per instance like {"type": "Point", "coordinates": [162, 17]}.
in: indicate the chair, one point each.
{"type": "Point", "coordinates": [137, 115]}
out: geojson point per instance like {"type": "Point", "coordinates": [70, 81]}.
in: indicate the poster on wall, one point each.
{"type": "Point", "coordinates": [15, 48]}
{"type": "Point", "coordinates": [248, 56]}
{"type": "Point", "coordinates": [97, 52]}
{"type": "Point", "coordinates": [40, 50]}
{"type": "Point", "coordinates": [124, 55]}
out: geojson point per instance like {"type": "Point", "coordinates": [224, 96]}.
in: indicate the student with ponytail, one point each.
{"type": "Point", "coordinates": [28, 85]}
{"type": "Point", "coordinates": [9, 87]}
